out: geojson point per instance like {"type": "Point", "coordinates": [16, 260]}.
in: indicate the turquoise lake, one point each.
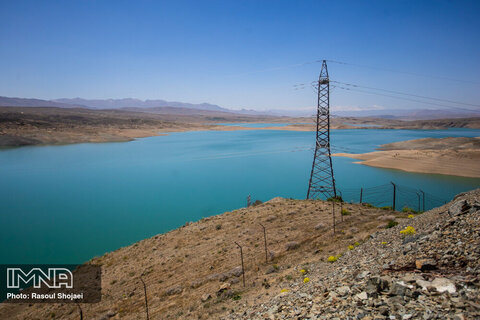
{"type": "Point", "coordinates": [67, 204]}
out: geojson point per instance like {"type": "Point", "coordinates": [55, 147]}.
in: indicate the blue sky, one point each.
{"type": "Point", "coordinates": [238, 54]}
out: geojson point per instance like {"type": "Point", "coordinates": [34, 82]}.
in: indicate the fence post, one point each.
{"type": "Point", "coordinates": [361, 195]}
{"type": "Point", "coordinates": [333, 214]}
{"type": "Point", "coordinates": [146, 300]}
{"type": "Point", "coordinates": [243, 268]}
{"type": "Point", "coordinates": [423, 196]}
{"type": "Point", "coordinates": [249, 201]}
{"type": "Point", "coordinates": [341, 205]}
{"type": "Point", "coordinates": [80, 310]}
{"type": "Point", "coordinates": [265, 240]}
{"type": "Point", "coordinates": [418, 196]}
{"type": "Point", "coordinates": [394, 195]}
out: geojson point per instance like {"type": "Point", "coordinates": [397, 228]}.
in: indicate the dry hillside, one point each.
{"type": "Point", "coordinates": [186, 269]}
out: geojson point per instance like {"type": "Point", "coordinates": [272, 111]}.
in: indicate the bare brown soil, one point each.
{"type": "Point", "coordinates": [183, 265]}
{"type": "Point", "coordinates": [21, 126]}
{"type": "Point", "coordinates": [449, 156]}
{"type": "Point", "coordinates": [37, 126]}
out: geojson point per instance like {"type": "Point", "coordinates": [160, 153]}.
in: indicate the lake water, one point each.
{"type": "Point", "coordinates": [255, 125]}
{"type": "Point", "coordinates": [66, 204]}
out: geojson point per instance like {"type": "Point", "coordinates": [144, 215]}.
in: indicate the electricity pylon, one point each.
{"type": "Point", "coordinates": [322, 181]}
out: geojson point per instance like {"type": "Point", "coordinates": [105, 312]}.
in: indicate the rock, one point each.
{"type": "Point", "coordinates": [423, 284]}
{"type": "Point", "coordinates": [458, 208]}
{"type": "Point", "coordinates": [399, 289]}
{"type": "Point", "coordinates": [411, 238]}
{"type": "Point", "coordinates": [443, 285]}
{"type": "Point", "coordinates": [225, 294]}
{"type": "Point", "coordinates": [195, 284]}
{"type": "Point", "coordinates": [206, 296]}
{"type": "Point", "coordinates": [108, 315]}
{"type": "Point", "coordinates": [270, 269]}
{"type": "Point", "coordinates": [174, 290]}
{"type": "Point", "coordinates": [236, 272]}
{"type": "Point", "coordinates": [361, 296]}
{"type": "Point", "coordinates": [271, 218]}
{"type": "Point", "coordinates": [426, 264]}
{"type": "Point", "coordinates": [343, 291]}
{"type": "Point", "coordinates": [459, 316]}
{"type": "Point", "coordinates": [224, 286]}
{"type": "Point", "coordinates": [384, 310]}
{"type": "Point", "coordinates": [386, 218]}
{"type": "Point", "coordinates": [320, 226]}
{"type": "Point", "coordinates": [362, 274]}
{"type": "Point", "coordinates": [292, 245]}
{"type": "Point", "coordinates": [377, 284]}
{"type": "Point", "coordinates": [223, 276]}
{"type": "Point", "coordinates": [271, 254]}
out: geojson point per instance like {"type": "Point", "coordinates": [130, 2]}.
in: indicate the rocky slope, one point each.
{"type": "Point", "coordinates": [433, 273]}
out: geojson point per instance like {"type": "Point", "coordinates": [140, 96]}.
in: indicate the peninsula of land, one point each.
{"type": "Point", "coordinates": [449, 156]}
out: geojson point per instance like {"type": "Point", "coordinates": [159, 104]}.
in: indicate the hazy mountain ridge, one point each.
{"type": "Point", "coordinates": [150, 105]}
{"type": "Point", "coordinates": [137, 103]}
{"type": "Point", "coordinates": [28, 102]}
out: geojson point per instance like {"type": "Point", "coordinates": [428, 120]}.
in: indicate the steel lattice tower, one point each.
{"type": "Point", "coordinates": [322, 182]}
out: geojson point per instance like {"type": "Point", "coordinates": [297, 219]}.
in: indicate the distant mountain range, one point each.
{"type": "Point", "coordinates": [137, 103]}
{"type": "Point", "coordinates": [106, 104]}
{"type": "Point", "coordinates": [160, 106]}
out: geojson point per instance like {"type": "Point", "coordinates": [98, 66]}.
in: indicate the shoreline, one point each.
{"type": "Point", "coordinates": [447, 156]}
{"type": "Point", "coordinates": [42, 138]}
{"type": "Point", "coordinates": [23, 126]}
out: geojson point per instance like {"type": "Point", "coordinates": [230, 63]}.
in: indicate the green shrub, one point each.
{"type": "Point", "coordinates": [391, 224]}
{"type": "Point", "coordinates": [257, 202]}
{"type": "Point", "coordinates": [345, 212]}
{"type": "Point", "coordinates": [368, 205]}
{"type": "Point", "coordinates": [236, 296]}
{"type": "Point", "coordinates": [335, 199]}
{"type": "Point", "coordinates": [387, 208]}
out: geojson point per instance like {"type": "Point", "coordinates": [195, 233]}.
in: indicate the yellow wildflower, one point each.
{"type": "Point", "coordinates": [332, 259]}
{"type": "Point", "coordinates": [408, 230]}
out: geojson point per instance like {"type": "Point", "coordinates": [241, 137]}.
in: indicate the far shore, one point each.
{"type": "Point", "coordinates": [23, 126]}
{"type": "Point", "coordinates": [448, 156]}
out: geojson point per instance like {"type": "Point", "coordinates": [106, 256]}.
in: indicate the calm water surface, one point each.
{"type": "Point", "coordinates": [66, 204]}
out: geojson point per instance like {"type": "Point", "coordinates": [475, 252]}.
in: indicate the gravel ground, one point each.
{"type": "Point", "coordinates": [431, 274]}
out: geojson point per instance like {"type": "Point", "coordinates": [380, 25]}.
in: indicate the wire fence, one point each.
{"type": "Point", "coordinates": [392, 195]}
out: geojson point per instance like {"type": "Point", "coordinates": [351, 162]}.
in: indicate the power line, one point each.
{"type": "Point", "coordinates": [406, 94]}
{"type": "Point", "coordinates": [303, 86]}
{"type": "Point", "coordinates": [403, 72]}
{"type": "Point", "coordinates": [403, 98]}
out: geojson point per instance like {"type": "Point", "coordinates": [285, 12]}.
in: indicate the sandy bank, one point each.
{"type": "Point", "coordinates": [449, 156]}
